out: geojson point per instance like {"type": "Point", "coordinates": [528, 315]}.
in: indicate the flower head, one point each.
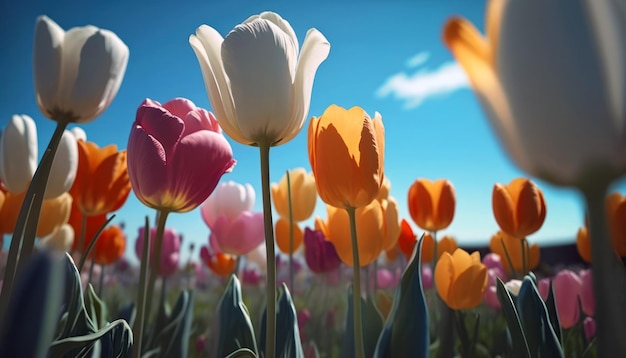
{"type": "Point", "coordinates": [461, 279]}
{"type": "Point", "coordinates": [320, 254]}
{"type": "Point", "coordinates": [519, 208]}
{"type": "Point", "coordinates": [258, 80]}
{"type": "Point", "coordinates": [163, 148]}
{"type": "Point", "coordinates": [432, 204]}
{"type": "Point", "coordinates": [110, 245]}
{"type": "Point", "coordinates": [229, 199]}
{"type": "Point", "coordinates": [303, 195]}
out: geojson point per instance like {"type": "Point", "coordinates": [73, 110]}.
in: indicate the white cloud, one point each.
{"type": "Point", "coordinates": [424, 83]}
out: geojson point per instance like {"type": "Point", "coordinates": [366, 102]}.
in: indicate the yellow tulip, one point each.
{"type": "Point", "coordinates": [346, 151]}
{"type": "Point", "coordinates": [369, 228]}
{"type": "Point", "coordinates": [461, 279]}
{"type": "Point", "coordinates": [303, 195]}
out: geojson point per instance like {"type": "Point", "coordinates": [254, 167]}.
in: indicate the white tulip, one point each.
{"type": "Point", "coordinates": [61, 239]}
{"type": "Point", "coordinates": [229, 199]}
{"type": "Point", "coordinates": [259, 83]}
{"type": "Point", "coordinates": [18, 153]}
{"type": "Point", "coordinates": [77, 73]}
{"type": "Point", "coordinates": [64, 166]}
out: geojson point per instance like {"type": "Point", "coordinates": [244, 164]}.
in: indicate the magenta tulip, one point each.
{"type": "Point", "coordinates": [589, 326]}
{"type": "Point", "coordinates": [567, 288]}
{"type": "Point", "coordinates": [251, 276]}
{"type": "Point", "coordinates": [239, 236]}
{"type": "Point", "coordinates": [586, 293]}
{"type": "Point", "coordinates": [494, 263]}
{"type": "Point", "coordinates": [320, 254]}
{"type": "Point", "coordinates": [176, 155]}
{"type": "Point", "coordinates": [543, 286]}
{"type": "Point", "coordinates": [170, 252]}
{"type": "Point", "coordinates": [427, 277]}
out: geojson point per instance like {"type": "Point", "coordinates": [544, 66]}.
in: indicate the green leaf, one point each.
{"type": "Point", "coordinates": [96, 308]}
{"type": "Point", "coordinates": [116, 340]}
{"type": "Point", "coordinates": [514, 324]}
{"type": "Point", "coordinates": [174, 337]}
{"type": "Point", "coordinates": [372, 327]}
{"type": "Point", "coordinates": [553, 314]}
{"type": "Point", "coordinates": [33, 311]}
{"type": "Point", "coordinates": [78, 321]}
{"type": "Point", "coordinates": [235, 326]}
{"type": "Point", "coordinates": [288, 343]}
{"type": "Point", "coordinates": [242, 353]}
{"type": "Point", "coordinates": [541, 338]}
{"type": "Point", "coordinates": [406, 333]}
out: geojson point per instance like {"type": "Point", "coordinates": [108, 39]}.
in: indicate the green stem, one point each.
{"type": "Point", "coordinates": [359, 351]}
{"type": "Point", "coordinates": [609, 279]}
{"type": "Point", "coordinates": [141, 298]}
{"type": "Point", "coordinates": [155, 258]}
{"type": "Point", "coordinates": [290, 233]}
{"type": "Point", "coordinates": [270, 328]}
{"type": "Point", "coordinates": [25, 230]}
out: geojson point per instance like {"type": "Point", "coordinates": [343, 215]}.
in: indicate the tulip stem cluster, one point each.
{"type": "Point", "coordinates": [23, 239]}
{"type": "Point", "coordinates": [270, 329]}
{"type": "Point", "coordinates": [607, 275]}
{"type": "Point", "coordinates": [356, 292]}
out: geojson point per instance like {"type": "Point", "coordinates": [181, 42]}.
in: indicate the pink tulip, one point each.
{"type": "Point", "coordinates": [176, 155]}
{"type": "Point", "coordinates": [319, 253]}
{"type": "Point", "coordinates": [586, 293]}
{"type": "Point", "coordinates": [251, 276]}
{"type": "Point", "coordinates": [229, 199]}
{"type": "Point", "coordinates": [490, 297]}
{"type": "Point", "coordinates": [239, 236]}
{"type": "Point", "coordinates": [589, 326]}
{"type": "Point", "coordinates": [543, 286]}
{"type": "Point", "coordinates": [427, 277]}
{"type": "Point", "coordinates": [170, 251]}
{"type": "Point", "coordinates": [494, 262]}
{"type": "Point", "coordinates": [386, 279]}
{"type": "Point", "coordinates": [567, 289]}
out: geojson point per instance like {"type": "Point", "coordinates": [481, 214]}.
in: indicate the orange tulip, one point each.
{"type": "Point", "coordinates": [519, 208]}
{"type": "Point", "coordinates": [583, 244]}
{"type": "Point", "coordinates": [303, 195]}
{"type": "Point", "coordinates": [461, 279]}
{"type": "Point", "coordinates": [616, 212]}
{"type": "Point", "coordinates": [220, 263]}
{"type": "Point", "coordinates": [446, 244]}
{"type": "Point", "coordinates": [54, 213]}
{"type": "Point", "coordinates": [110, 246]}
{"type": "Point", "coordinates": [93, 224]}
{"type": "Point", "coordinates": [346, 151]}
{"type": "Point", "coordinates": [282, 235]}
{"type": "Point", "coordinates": [370, 232]}
{"type": "Point", "coordinates": [385, 189]}
{"type": "Point", "coordinates": [102, 184]}
{"type": "Point", "coordinates": [514, 249]}
{"type": "Point", "coordinates": [431, 204]}
{"type": "Point", "coordinates": [390, 222]}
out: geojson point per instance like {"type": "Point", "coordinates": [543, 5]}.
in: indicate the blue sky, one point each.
{"type": "Point", "coordinates": [385, 56]}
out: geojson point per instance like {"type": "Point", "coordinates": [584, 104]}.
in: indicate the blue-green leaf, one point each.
{"type": "Point", "coordinates": [372, 327]}
{"type": "Point", "coordinates": [116, 340]}
{"type": "Point", "coordinates": [553, 314]}
{"type": "Point", "coordinates": [235, 326]}
{"type": "Point", "coordinates": [514, 324]}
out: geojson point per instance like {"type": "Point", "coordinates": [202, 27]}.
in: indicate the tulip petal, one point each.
{"type": "Point", "coordinates": [421, 206]}
{"type": "Point", "coordinates": [164, 127]}
{"type": "Point", "coordinates": [282, 236]}
{"type": "Point", "coordinates": [444, 275]}
{"type": "Point", "coordinates": [229, 199]}
{"type": "Point", "coordinates": [18, 153]}
{"type": "Point", "coordinates": [179, 107]}
{"type": "Point", "coordinates": [242, 235]}
{"type": "Point", "coordinates": [258, 58]}
{"type": "Point", "coordinates": [207, 45]}
{"type": "Point", "coordinates": [54, 213]}
{"type": "Point", "coordinates": [315, 50]}
{"type": "Point", "coordinates": [282, 24]}
{"type": "Point", "coordinates": [47, 63]}
{"type": "Point", "coordinates": [147, 182]}
{"type": "Point", "coordinates": [555, 104]}
{"type": "Point", "coordinates": [193, 183]}
{"type": "Point", "coordinates": [503, 208]}
{"type": "Point", "coordinates": [64, 166]}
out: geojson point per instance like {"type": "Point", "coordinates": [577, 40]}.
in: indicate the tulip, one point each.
{"type": "Point", "coordinates": [446, 244]}
{"type": "Point", "coordinates": [102, 184]}
{"type": "Point", "coordinates": [92, 224]}
{"type": "Point", "coordinates": [589, 326]}
{"type": "Point", "coordinates": [18, 158]}
{"type": "Point", "coordinates": [427, 277]}
{"type": "Point", "coordinates": [587, 300]}
{"type": "Point", "coordinates": [567, 289]}
{"type": "Point", "coordinates": [583, 244]}
{"type": "Point", "coordinates": [220, 263]}
{"type": "Point", "coordinates": [162, 150]}
{"type": "Point", "coordinates": [390, 222]}
{"type": "Point", "coordinates": [543, 286]}
{"type": "Point", "coordinates": [369, 230]}
{"type": "Point", "coordinates": [78, 72]}
{"type": "Point", "coordinates": [461, 279]}
{"type": "Point", "coordinates": [562, 124]}
{"type": "Point", "coordinates": [61, 239]}
{"type": "Point", "coordinates": [282, 236]}
{"type": "Point", "coordinates": [346, 151]}
{"type": "Point", "coordinates": [303, 195]}
{"type": "Point", "coordinates": [258, 86]}
{"type": "Point", "coordinates": [519, 208]}
{"type": "Point", "coordinates": [229, 199]}
{"type": "Point", "coordinates": [616, 212]}
{"type": "Point", "coordinates": [432, 204]}
{"type": "Point", "coordinates": [521, 262]}
{"type": "Point", "coordinates": [407, 240]}
{"type": "Point", "coordinates": [250, 276]}
{"type": "Point", "coordinates": [170, 252]}
{"type": "Point", "coordinates": [494, 262]}
{"type": "Point", "coordinates": [54, 213]}
{"type": "Point", "coordinates": [239, 236]}
{"type": "Point", "coordinates": [385, 189]}
{"type": "Point", "coordinates": [320, 254]}
{"type": "Point", "coordinates": [110, 246]}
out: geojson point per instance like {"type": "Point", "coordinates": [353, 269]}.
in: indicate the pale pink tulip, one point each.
{"type": "Point", "coordinates": [229, 199]}
{"type": "Point", "coordinates": [176, 155]}
{"type": "Point", "coordinates": [567, 289]}
{"type": "Point", "coordinates": [239, 236]}
{"type": "Point", "coordinates": [170, 252]}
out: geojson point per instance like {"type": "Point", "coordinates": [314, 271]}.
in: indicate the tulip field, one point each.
{"type": "Point", "coordinates": [358, 281]}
